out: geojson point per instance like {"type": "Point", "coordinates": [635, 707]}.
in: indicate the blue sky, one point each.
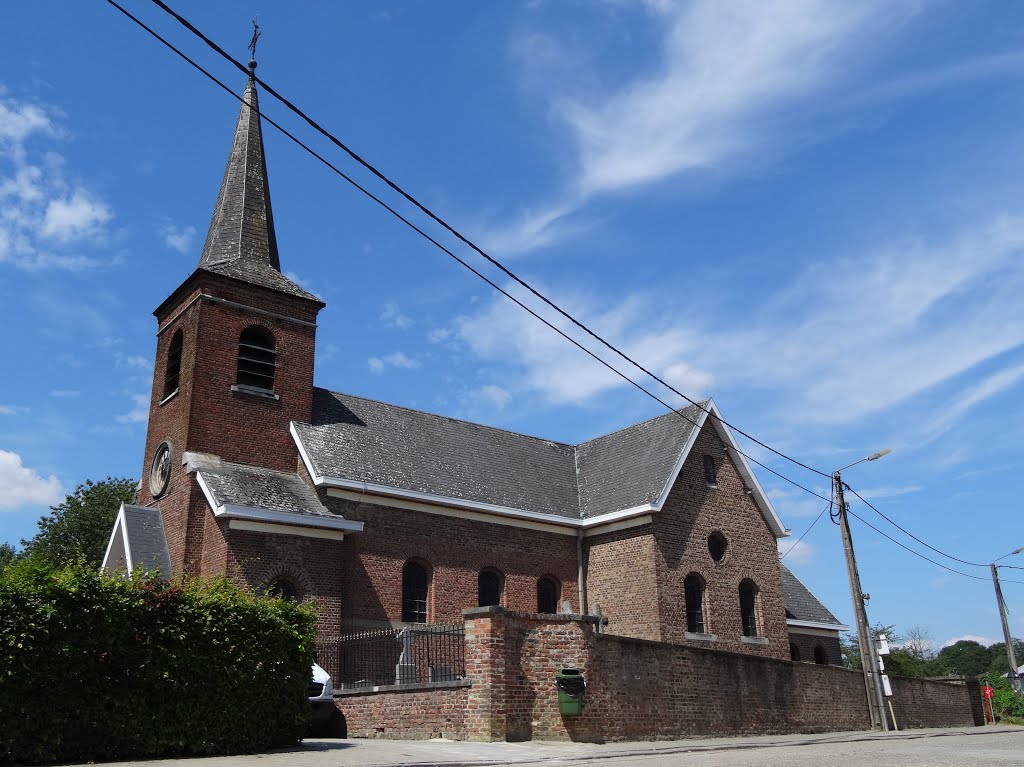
{"type": "Point", "coordinates": [810, 210]}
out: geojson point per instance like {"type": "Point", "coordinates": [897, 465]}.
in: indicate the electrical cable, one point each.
{"type": "Point", "coordinates": [441, 247]}
{"type": "Point", "coordinates": [820, 513]}
{"type": "Point", "coordinates": [458, 235]}
{"type": "Point", "coordinates": [907, 532]}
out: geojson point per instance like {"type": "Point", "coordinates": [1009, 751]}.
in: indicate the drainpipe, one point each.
{"type": "Point", "coordinates": [581, 578]}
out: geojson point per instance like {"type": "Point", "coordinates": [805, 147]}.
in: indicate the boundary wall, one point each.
{"type": "Point", "coordinates": [636, 690]}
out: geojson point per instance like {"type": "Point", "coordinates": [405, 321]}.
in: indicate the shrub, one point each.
{"type": "Point", "coordinates": [104, 667]}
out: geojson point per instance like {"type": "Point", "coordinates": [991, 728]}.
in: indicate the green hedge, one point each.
{"type": "Point", "coordinates": [100, 667]}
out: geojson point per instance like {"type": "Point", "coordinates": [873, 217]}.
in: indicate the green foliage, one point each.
{"type": "Point", "coordinates": [7, 555]}
{"type": "Point", "coordinates": [964, 658]}
{"type": "Point", "coordinates": [79, 528]}
{"type": "Point", "coordinates": [98, 667]}
{"type": "Point", "coordinates": [1000, 664]}
{"type": "Point", "coordinates": [1006, 707]}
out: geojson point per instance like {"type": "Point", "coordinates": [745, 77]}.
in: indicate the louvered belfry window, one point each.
{"type": "Point", "coordinates": [257, 358]}
{"type": "Point", "coordinates": [173, 369]}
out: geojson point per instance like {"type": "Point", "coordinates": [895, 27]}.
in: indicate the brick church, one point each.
{"type": "Point", "coordinates": [381, 515]}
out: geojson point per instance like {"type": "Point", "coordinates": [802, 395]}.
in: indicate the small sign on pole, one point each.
{"type": "Point", "coordinates": [886, 687]}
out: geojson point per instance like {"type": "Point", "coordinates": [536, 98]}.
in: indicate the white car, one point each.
{"type": "Point", "coordinates": [321, 696]}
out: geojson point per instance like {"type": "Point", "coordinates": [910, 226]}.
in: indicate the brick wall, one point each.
{"type": "Point", "coordinates": [921, 703]}
{"type": "Point", "coordinates": [455, 550]}
{"type": "Point", "coordinates": [807, 643]}
{"type": "Point", "coordinates": [638, 689]}
{"type": "Point", "coordinates": [414, 713]}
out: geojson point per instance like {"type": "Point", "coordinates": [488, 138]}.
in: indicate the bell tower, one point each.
{"type": "Point", "coordinates": [234, 355]}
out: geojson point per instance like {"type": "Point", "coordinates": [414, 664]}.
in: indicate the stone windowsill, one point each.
{"type": "Point", "coordinates": [255, 392]}
{"type": "Point", "coordinates": [754, 640]}
{"type": "Point", "coordinates": [701, 637]}
{"type": "Point", "coordinates": [417, 687]}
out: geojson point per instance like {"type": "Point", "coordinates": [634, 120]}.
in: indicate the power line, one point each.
{"type": "Point", "coordinates": [820, 514]}
{"type": "Point", "coordinates": [907, 532]}
{"type": "Point", "coordinates": [449, 252]}
{"type": "Point", "coordinates": [458, 235]}
{"type": "Point", "coordinates": [915, 553]}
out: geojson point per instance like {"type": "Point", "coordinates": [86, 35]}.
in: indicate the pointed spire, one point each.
{"type": "Point", "coordinates": [242, 227]}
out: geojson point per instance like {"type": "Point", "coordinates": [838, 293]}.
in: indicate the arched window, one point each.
{"type": "Point", "coordinates": [748, 608]}
{"type": "Point", "coordinates": [257, 358]}
{"type": "Point", "coordinates": [820, 656]}
{"type": "Point", "coordinates": [710, 471]}
{"type": "Point", "coordinates": [415, 586]}
{"type": "Point", "coordinates": [172, 370]}
{"type": "Point", "coordinates": [283, 588]}
{"type": "Point", "coordinates": [547, 595]}
{"type": "Point", "coordinates": [794, 652]}
{"type": "Point", "coordinates": [693, 588]}
{"type": "Point", "coordinates": [488, 588]}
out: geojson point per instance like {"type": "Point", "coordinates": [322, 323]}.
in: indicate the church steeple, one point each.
{"type": "Point", "coordinates": [242, 227]}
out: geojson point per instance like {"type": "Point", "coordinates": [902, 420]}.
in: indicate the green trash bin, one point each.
{"type": "Point", "coordinates": [570, 685]}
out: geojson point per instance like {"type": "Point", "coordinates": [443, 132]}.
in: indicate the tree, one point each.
{"type": "Point", "coordinates": [79, 528]}
{"type": "Point", "coordinates": [966, 658]}
{"type": "Point", "coordinates": [999, 664]}
{"type": "Point", "coordinates": [7, 553]}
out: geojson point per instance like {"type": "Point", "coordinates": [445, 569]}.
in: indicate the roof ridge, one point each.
{"type": "Point", "coordinates": [449, 418]}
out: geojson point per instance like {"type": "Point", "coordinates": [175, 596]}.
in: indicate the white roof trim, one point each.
{"type": "Point", "coordinates": [817, 625]}
{"type": "Point", "coordinates": [119, 524]}
{"type": "Point", "coordinates": [233, 511]}
{"type": "Point", "coordinates": [757, 492]}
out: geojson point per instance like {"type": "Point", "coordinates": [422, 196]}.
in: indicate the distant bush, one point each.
{"type": "Point", "coordinates": [97, 667]}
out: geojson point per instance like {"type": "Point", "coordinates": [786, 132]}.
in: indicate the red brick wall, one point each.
{"type": "Point", "coordinates": [314, 565]}
{"type": "Point", "coordinates": [406, 714]}
{"type": "Point", "coordinates": [456, 551]}
{"type": "Point", "coordinates": [622, 579]}
{"type": "Point", "coordinates": [806, 643]}
{"type": "Point", "coordinates": [206, 416]}
{"type": "Point", "coordinates": [639, 689]}
{"type": "Point", "coordinates": [920, 703]}
{"type": "Point", "coordinates": [691, 513]}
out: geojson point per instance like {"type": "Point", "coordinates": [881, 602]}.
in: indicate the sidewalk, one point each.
{"type": "Point", "coordinates": [427, 753]}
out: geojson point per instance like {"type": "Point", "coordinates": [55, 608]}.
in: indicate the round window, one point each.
{"type": "Point", "coordinates": [160, 470]}
{"type": "Point", "coordinates": [717, 546]}
{"type": "Point", "coordinates": [283, 588]}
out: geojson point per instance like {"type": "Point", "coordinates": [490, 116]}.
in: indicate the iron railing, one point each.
{"type": "Point", "coordinates": [409, 655]}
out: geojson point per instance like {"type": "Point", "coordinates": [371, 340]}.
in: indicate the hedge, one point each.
{"type": "Point", "coordinates": [98, 667]}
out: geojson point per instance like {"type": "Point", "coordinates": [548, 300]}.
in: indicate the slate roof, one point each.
{"type": "Point", "coordinates": [146, 539]}
{"type": "Point", "coordinates": [237, 484]}
{"type": "Point", "coordinates": [801, 604]}
{"type": "Point", "coordinates": [241, 241]}
{"type": "Point", "coordinates": [362, 440]}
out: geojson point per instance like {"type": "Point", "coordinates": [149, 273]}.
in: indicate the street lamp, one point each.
{"type": "Point", "coordinates": [872, 673]}
{"type": "Point", "coordinates": [1010, 656]}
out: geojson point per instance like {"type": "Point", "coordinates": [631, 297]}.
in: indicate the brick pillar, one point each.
{"type": "Point", "coordinates": [487, 707]}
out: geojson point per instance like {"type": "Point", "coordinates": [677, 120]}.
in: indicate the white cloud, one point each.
{"type": "Point", "coordinates": [46, 221]}
{"type": "Point", "coordinates": [19, 121]}
{"type": "Point", "coordinates": [439, 335]}
{"type": "Point", "coordinates": [23, 486]}
{"type": "Point", "coordinates": [7, 410]}
{"type": "Point", "coordinates": [177, 238]}
{"type": "Point", "coordinates": [796, 552]}
{"type": "Point", "coordinates": [75, 217]}
{"type": "Point", "coordinates": [393, 360]}
{"type": "Point", "coordinates": [495, 394]}
{"type": "Point", "coordinates": [139, 412]}
{"type": "Point", "coordinates": [888, 491]}
{"type": "Point", "coordinates": [392, 317]}
{"type": "Point", "coordinates": [729, 78]}
{"type": "Point", "coordinates": [132, 361]}
{"type": "Point", "coordinates": [502, 332]}
{"type": "Point", "coordinates": [952, 413]}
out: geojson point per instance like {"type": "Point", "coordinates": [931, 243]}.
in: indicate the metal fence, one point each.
{"type": "Point", "coordinates": [418, 653]}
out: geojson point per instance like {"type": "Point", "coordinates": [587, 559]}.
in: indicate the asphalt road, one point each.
{"type": "Point", "coordinates": [960, 747]}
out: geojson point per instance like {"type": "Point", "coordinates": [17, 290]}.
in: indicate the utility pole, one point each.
{"type": "Point", "coordinates": [1014, 681]}
{"type": "Point", "coordinates": [868, 657]}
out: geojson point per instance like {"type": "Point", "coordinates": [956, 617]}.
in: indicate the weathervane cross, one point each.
{"type": "Point", "coordinates": [255, 36]}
